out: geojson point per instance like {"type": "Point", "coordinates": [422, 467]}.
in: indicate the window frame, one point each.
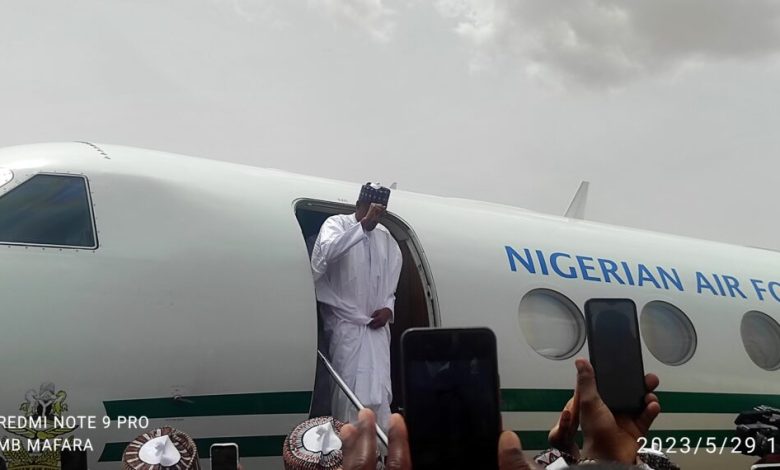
{"type": "Point", "coordinates": [775, 328]}
{"type": "Point", "coordinates": [682, 318]}
{"type": "Point", "coordinates": [568, 304]}
{"type": "Point", "coordinates": [96, 243]}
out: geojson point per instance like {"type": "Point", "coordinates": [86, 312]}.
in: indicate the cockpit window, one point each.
{"type": "Point", "coordinates": [48, 210]}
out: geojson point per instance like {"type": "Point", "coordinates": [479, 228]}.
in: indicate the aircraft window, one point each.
{"type": "Point", "coordinates": [761, 337]}
{"type": "Point", "coordinates": [552, 325]}
{"type": "Point", "coordinates": [48, 210]}
{"type": "Point", "coordinates": [668, 333]}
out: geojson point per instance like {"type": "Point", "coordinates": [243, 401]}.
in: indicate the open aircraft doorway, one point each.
{"type": "Point", "coordinates": [415, 303]}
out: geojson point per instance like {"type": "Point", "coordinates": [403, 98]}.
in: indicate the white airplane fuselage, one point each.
{"type": "Point", "coordinates": [197, 307]}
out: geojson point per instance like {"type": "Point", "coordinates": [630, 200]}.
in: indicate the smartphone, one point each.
{"type": "Point", "coordinates": [73, 460]}
{"type": "Point", "coordinates": [451, 397]}
{"type": "Point", "coordinates": [224, 456]}
{"type": "Point", "coordinates": [616, 354]}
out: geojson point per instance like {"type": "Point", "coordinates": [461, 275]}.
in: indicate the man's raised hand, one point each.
{"type": "Point", "coordinates": [375, 212]}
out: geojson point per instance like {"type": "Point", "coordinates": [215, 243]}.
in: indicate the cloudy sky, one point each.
{"type": "Point", "coordinates": [669, 107]}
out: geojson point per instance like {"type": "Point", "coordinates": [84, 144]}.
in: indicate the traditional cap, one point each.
{"type": "Point", "coordinates": [374, 192]}
{"type": "Point", "coordinates": [314, 445]}
{"type": "Point", "coordinates": [161, 449]}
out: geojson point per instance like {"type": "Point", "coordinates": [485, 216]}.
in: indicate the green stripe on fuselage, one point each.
{"type": "Point", "coordinates": [513, 400]}
{"type": "Point", "coordinates": [212, 405]}
{"type": "Point", "coordinates": [534, 400]}
{"type": "Point", "coordinates": [693, 402]}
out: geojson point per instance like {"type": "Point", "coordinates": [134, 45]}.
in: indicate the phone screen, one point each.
{"type": "Point", "coordinates": [451, 398]}
{"type": "Point", "coordinates": [616, 353]}
{"type": "Point", "coordinates": [224, 457]}
{"type": "Point", "coordinates": [73, 460]}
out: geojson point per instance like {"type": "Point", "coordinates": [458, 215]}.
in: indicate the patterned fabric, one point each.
{"type": "Point", "coordinates": [188, 452]}
{"type": "Point", "coordinates": [551, 455]}
{"type": "Point", "coordinates": [373, 192]}
{"type": "Point", "coordinates": [657, 461]}
{"type": "Point", "coordinates": [296, 454]}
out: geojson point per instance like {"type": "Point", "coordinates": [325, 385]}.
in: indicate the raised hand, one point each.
{"type": "Point", "coordinates": [562, 435]}
{"type": "Point", "coordinates": [610, 437]}
{"type": "Point", "coordinates": [374, 213]}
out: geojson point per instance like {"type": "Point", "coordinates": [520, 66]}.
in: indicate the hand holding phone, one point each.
{"type": "Point", "coordinates": [616, 354]}
{"type": "Point", "coordinates": [451, 397]}
{"type": "Point", "coordinates": [224, 456]}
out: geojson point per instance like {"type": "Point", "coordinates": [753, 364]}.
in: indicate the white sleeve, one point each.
{"type": "Point", "coordinates": [394, 264]}
{"type": "Point", "coordinates": [332, 242]}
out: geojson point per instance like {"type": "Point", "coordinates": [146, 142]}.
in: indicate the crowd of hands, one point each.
{"type": "Point", "coordinates": [606, 437]}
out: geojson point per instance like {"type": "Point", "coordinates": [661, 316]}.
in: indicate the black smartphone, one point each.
{"type": "Point", "coordinates": [451, 397]}
{"type": "Point", "coordinates": [616, 353]}
{"type": "Point", "coordinates": [224, 456]}
{"type": "Point", "coordinates": [73, 460]}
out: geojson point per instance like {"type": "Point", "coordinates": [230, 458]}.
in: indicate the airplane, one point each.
{"type": "Point", "coordinates": [148, 289]}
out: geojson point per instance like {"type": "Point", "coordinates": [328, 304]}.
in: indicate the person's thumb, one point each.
{"type": "Point", "coordinates": [359, 442]}
{"type": "Point", "coordinates": [510, 453]}
{"type": "Point", "coordinates": [398, 454]}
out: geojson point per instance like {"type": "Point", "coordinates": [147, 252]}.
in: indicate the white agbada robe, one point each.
{"type": "Point", "coordinates": [356, 273]}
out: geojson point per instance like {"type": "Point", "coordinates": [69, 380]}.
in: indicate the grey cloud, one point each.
{"type": "Point", "coordinates": [608, 42]}
{"type": "Point", "coordinates": [372, 16]}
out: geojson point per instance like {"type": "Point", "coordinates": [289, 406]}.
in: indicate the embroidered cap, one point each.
{"type": "Point", "coordinates": [161, 449]}
{"type": "Point", "coordinates": [314, 445]}
{"type": "Point", "coordinates": [374, 192]}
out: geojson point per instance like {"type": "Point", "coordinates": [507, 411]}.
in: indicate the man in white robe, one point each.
{"type": "Point", "coordinates": [356, 265]}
